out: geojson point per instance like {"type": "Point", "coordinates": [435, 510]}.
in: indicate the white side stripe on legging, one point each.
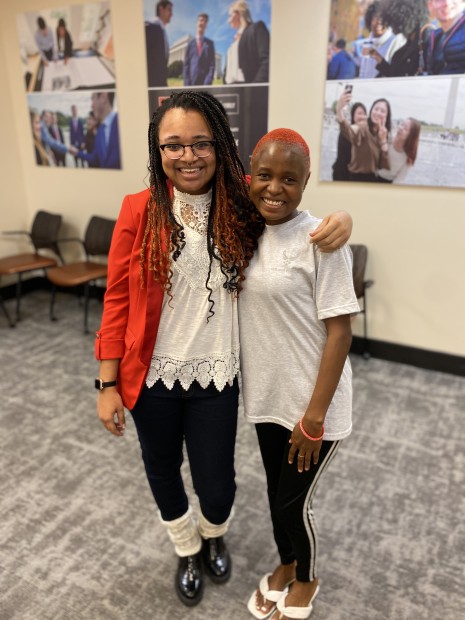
{"type": "Point", "coordinates": [307, 514]}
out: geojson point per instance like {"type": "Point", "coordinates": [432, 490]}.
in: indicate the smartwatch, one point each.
{"type": "Point", "coordinates": [101, 385]}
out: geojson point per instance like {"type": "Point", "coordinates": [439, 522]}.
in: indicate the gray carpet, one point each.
{"type": "Point", "coordinates": [79, 535]}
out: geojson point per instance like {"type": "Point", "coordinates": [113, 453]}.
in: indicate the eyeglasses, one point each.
{"type": "Point", "coordinates": [199, 149]}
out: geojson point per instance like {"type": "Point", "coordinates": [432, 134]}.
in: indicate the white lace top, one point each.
{"type": "Point", "coordinates": [187, 347]}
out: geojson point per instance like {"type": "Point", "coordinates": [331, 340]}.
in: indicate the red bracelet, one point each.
{"type": "Point", "coordinates": [305, 434]}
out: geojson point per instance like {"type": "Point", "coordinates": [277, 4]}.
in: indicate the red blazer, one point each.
{"type": "Point", "coordinates": [131, 314]}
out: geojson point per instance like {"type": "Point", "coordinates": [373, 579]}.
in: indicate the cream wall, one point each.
{"type": "Point", "coordinates": [13, 202]}
{"type": "Point", "coordinates": [415, 236]}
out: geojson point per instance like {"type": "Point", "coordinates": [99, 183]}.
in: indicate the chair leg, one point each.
{"type": "Point", "coordinates": [18, 298]}
{"type": "Point", "coordinates": [52, 303]}
{"type": "Point", "coordinates": [86, 307]}
{"type": "Point", "coordinates": [11, 323]}
{"type": "Point", "coordinates": [366, 354]}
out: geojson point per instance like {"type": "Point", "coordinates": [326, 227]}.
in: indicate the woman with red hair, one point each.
{"type": "Point", "coordinates": [297, 301]}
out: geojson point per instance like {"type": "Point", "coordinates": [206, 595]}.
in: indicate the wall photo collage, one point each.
{"type": "Point", "coordinates": [394, 108]}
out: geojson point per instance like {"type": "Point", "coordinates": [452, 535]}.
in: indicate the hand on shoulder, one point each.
{"type": "Point", "coordinates": [333, 232]}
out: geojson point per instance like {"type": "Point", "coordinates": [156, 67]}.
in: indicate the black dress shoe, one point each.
{"type": "Point", "coordinates": [189, 580]}
{"type": "Point", "coordinates": [216, 559]}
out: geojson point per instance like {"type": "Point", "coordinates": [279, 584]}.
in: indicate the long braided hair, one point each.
{"type": "Point", "coordinates": [234, 225]}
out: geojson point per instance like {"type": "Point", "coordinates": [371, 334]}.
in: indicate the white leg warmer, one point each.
{"type": "Point", "coordinates": [210, 530]}
{"type": "Point", "coordinates": [184, 534]}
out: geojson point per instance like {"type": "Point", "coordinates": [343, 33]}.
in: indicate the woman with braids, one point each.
{"type": "Point", "coordinates": [169, 339]}
{"type": "Point", "coordinates": [297, 301]}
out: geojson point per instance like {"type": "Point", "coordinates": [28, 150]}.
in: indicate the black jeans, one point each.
{"type": "Point", "coordinates": [207, 420]}
{"type": "Point", "coordinates": [290, 495]}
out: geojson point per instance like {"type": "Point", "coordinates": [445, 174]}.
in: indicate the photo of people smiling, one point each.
{"type": "Point", "coordinates": [401, 129]}
{"type": "Point", "coordinates": [396, 38]}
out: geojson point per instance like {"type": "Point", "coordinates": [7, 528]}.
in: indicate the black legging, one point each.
{"type": "Point", "coordinates": [206, 420]}
{"type": "Point", "coordinates": [290, 494]}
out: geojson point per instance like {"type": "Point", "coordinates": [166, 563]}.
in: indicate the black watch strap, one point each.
{"type": "Point", "coordinates": [101, 385]}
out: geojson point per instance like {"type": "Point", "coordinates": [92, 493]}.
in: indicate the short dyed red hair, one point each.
{"type": "Point", "coordinates": [288, 137]}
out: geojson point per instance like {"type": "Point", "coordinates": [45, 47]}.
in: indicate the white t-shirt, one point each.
{"type": "Point", "coordinates": [290, 288]}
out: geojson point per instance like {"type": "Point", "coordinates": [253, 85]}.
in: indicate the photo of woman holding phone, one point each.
{"type": "Point", "coordinates": [358, 114]}
{"type": "Point", "coordinates": [369, 139]}
{"type": "Point", "coordinates": [413, 134]}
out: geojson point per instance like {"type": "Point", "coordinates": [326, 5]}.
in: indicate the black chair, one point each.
{"type": "Point", "coordinates": [43, 236]}
{"type": "Point", "coordinates": [96, 243]}
{"type": "Point", "coordinates": [360, 257]}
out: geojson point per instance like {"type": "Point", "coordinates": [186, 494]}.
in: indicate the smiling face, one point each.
{"type": "Point", "coordinates": [360, 115]}
{"type": "Point", "coordinates": [379, 112]}
{"type": "Point", "coordinates": [377, 26]}
{"type": "Point", "coordinates": [279, 176]}
{"type": "Point", "coordinates": [100, 105]}
{"type": "Point", "coordinates": [189, 174]}
{"type": "Point", "coordinates": [445, 10]}
{"type": "Point", "coordinates": [234, 19]}
{"type": "Point", "coordinates": [403, 130]}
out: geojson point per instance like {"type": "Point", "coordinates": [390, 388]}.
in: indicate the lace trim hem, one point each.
{"type": "Point", "coordinates": [219, 369]}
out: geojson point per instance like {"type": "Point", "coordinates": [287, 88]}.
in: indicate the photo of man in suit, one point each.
{"type": "Point", "coordinates": [106, 153]}
{"type": "Point", "coordinates": [76, 132]}
{"type": "Point", "coordinates": [56, 146]}
{"type": "Point", "coordinates": [157, 46]}
{"type": "Point", "coordinates": [57, 133]}
{"type": "Point", "coordinates": [199, 59]}
{"type": "Point", "coordinates": [446, 48]}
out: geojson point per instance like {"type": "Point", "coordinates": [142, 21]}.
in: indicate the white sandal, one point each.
{"type": "Point", "coordinates": [270, 595]}
{"type": "Point", "coordinates": [296, 613]}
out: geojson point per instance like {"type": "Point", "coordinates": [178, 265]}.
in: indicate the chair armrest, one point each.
{"type": "Point", "coordinates": [73, 239]}
{"type": "Point", "coordinates": [65, 239]}
{"type": "Point", "coordinates": [16, 232]}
